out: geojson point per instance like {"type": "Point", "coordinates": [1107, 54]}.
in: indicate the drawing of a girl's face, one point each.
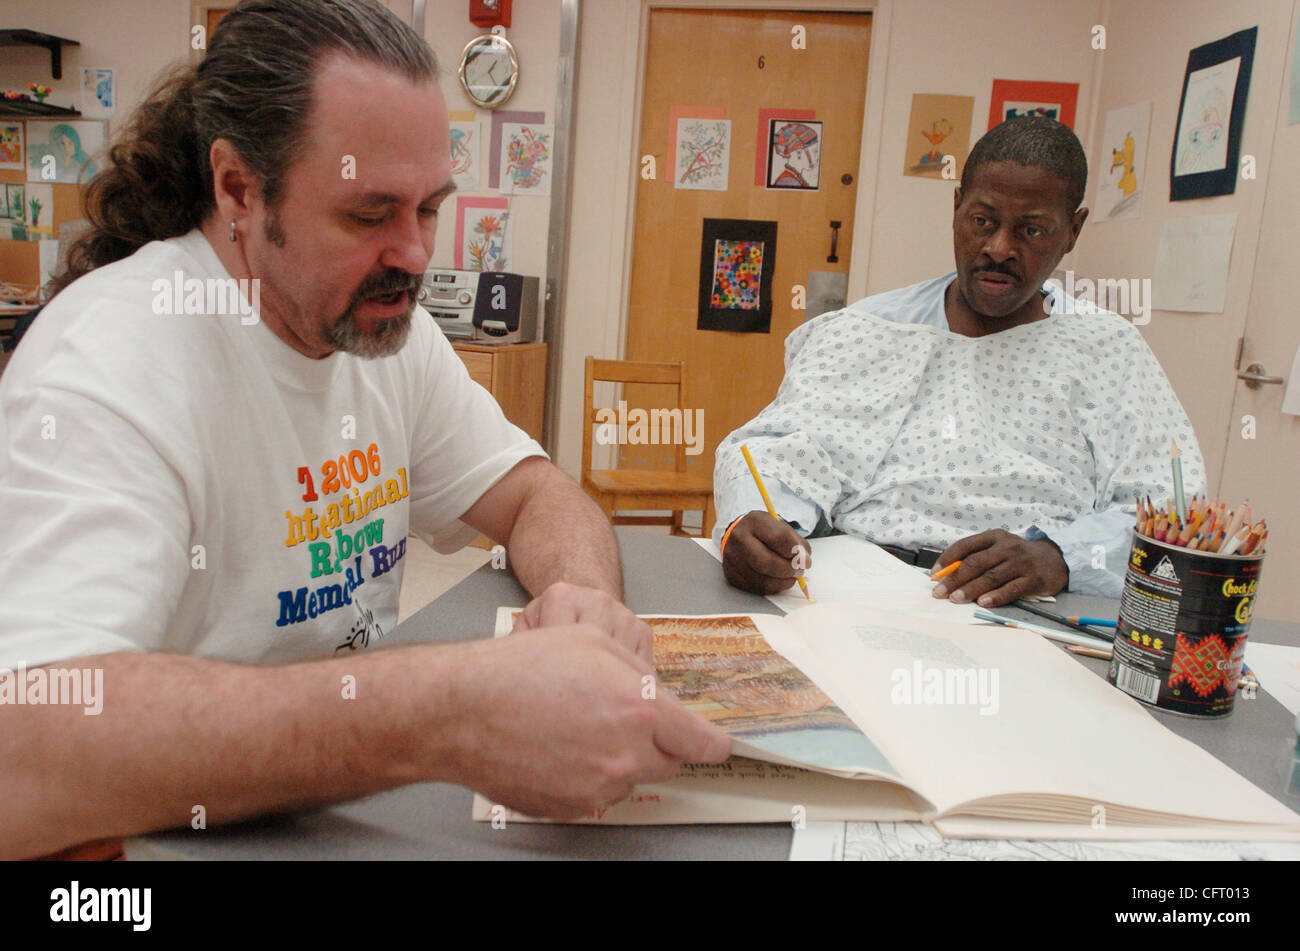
{"type": "Point", "coordinates": [66, 139]}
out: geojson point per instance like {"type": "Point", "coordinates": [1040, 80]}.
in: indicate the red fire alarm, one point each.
{"type": "Point", "coordinates": [489, 13]}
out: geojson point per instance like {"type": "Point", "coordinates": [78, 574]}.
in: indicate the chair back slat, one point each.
{"type": "Point", "coordinates": [627, 371]}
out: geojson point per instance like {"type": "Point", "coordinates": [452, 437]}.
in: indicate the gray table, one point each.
{"type": "Point", "coordinates": [664, 575]}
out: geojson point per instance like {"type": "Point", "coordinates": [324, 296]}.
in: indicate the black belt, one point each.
{"type": "Point", "coordinates": [922, 557]}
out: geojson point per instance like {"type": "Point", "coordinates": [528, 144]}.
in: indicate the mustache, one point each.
{"type": "Point", "coordinates": [388, 282]}
{"type": "Point", "coordinates": [1002, 269]}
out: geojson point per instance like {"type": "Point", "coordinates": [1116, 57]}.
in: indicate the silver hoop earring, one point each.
{"type": "Point", "coordinates": [233, 236]}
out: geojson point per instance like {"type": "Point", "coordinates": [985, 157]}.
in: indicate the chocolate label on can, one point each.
{"type": "Point", "coordinates": [1183, 619]}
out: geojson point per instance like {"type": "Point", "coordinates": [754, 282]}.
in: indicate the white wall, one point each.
{"type": "Point", "coordinates": [535, 34]}
{"type": "Point", "coordinates": [135, 37]}
{"type": "Point", "coordinates": [942, 46]}
{"type": "Point", "coordinates": [1146, 59]}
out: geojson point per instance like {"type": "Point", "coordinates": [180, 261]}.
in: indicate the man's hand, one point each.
{"type": "Point", "coordinates": [760, 553]}
{"type": "Point", "coordinates": [998, 567]}
{"type": "Point", "coordinates": [563, 603]}
{"type": "Point", "coordinates": [562, 722]}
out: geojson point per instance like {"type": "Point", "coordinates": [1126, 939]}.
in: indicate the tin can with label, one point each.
{"type": "Point", "coordinates": [1183, 619]}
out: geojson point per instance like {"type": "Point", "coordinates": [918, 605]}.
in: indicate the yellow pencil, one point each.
{"type": "Point", "coordinates": [771, 510]}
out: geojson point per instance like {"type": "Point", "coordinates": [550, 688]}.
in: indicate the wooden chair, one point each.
{"type": "Point", "coordinates": [637, 489]}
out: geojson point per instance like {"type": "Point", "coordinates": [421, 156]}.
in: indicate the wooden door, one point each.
{"type": "Point", "coordinates": [1263, 443]}
{"type": "Point", "coordinates": [739, 62]}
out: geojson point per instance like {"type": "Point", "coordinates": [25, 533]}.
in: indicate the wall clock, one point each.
{"type": "Point", "coordinates": [489, 70]}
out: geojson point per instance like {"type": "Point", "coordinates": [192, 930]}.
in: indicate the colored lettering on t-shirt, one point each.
{"type": "Point", "coordinates": [333, 545]}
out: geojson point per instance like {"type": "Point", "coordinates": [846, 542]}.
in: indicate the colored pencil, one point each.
{"type": "Point", "coordinates": [1252, 540]}
{"type": "Point", "coordinates": [1234, 523]}
{"type": "Point", "coordinates": [1236, 541]}
{"type": "Point", "coordinates": [1094, 621]}
{"type": "Point", "coordinates": [1091, 652]}
{"type": "Point", "coordinates": [1073, 622]}
{"type": "Point", "coordinates": [947, 570]}
{"type": "Point", "coordinates": [1190, 528]}
{"type": "Point", "coordinates": [771, 509]}
{"type": "Point", "coordinates": [1176, 463]}
{"type": "Point", "coordinates": [1065, 637]}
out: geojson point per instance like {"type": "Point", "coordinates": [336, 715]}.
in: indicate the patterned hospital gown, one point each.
{"type": "Point", "coordinates": [890, 427]}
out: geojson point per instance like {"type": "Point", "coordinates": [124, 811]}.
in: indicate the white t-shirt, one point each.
{"type": "Point", "coordinates": [192, 484]}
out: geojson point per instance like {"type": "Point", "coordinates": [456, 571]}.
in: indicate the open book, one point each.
{"type": "Point", "coordinates": [851, 713]}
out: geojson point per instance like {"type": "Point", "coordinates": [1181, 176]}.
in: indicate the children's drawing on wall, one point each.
{"type": "Point", "coordinates": [14, 223]}
{"type": "Point", "coordinates": [526, 159]}
{"type": "Point", "coordinates": [737, 260]}
{"type": "Point", "coordinates": [763, 138]}
{"type": "Point", "coordinates": [1122, 168]}
{"type": "Point", "coordinates": [703, 154]}
{"type": "Point", "coordinates": [11, 146]}
{"type": "Point", "coordinates": [939, 126]}
{"type": "Point", "coordinates": [64, 150]}
{"type": "Point", "coordinates": [16, 202]}
{"type": "Point", "coordinates": [794, 154]}
{"type": "Point", "coordinates": [737, 266]}
{"type": "Point", "coordinates": [1192, 261]}
{"type": "Point", "coordinates": [1013, 98]}
{"type": "Point", "coordinates": [1293, 114]}
{"type": "Point", "coordinates": [1048, 110]}
{"type": "Point", "coordinates": [1203, 129]}
{"type": "Point", "coordinates": [97, 92]}
{"type": "Point", "coordinates": [497, 142]}
{"type": "Point", "coordinates": [487, 244]}
{"type": "Point", "coordinates": [466, 149]}
{"type": "Point", "coordinates": [1211, 115]}
{"type": "Point", "coordinates": [40, 211]}
{"type": "Point", "coordinates": [482, 234]}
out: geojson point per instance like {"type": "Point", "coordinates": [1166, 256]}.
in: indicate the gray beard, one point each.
{"type": "Point", "coordinates": [384, 341]}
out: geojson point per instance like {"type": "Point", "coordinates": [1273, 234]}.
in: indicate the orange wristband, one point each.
{"type": "Point", "coordinates": [722, 548]}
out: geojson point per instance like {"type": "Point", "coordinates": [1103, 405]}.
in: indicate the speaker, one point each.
{"type": "Point", "coordinates": [505, 308]}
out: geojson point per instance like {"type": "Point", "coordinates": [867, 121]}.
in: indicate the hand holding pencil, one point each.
{"type": "Point", "coordinates": [759, 549]}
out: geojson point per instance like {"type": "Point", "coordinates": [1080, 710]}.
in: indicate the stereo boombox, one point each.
{"type": "Point", "coordinates": [484, 306]}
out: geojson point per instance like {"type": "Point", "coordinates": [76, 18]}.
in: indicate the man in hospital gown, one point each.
{"type": "Point", "coordinates": [981, 413]}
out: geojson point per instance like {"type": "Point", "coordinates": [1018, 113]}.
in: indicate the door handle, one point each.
{"type": "Point", "coordinates": [833, 257]}
{"type": "Point", "coordinates": [1255, 376]}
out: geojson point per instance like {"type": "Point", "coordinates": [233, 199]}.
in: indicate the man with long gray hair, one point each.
{"type": "Point", "coordinates": [213, 511]}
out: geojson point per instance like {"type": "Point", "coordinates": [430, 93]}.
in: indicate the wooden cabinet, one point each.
{"type": "Point", "coordinates": [515, 374]}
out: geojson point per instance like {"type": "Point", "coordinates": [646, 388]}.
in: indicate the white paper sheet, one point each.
{"type": "Point", "coordinates": [854, 571]}
{"type": "Point", "coordinates": [914, 841]}
{"type": "Point", "coordinates": [1278, 670]}
{"type": "Point", "coordinates": [1291, 402]}
{"type": "Point", "coordinates": [1192, 263]}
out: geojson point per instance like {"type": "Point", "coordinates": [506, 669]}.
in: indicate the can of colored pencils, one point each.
{"type": "Point", "coordinates": [1183, 619]}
